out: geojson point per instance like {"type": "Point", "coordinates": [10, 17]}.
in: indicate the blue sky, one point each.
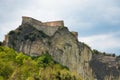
{"type": "Point", "coordinates": [96, 21]}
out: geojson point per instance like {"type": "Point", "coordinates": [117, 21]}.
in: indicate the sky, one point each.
{"type": "Point", "coordinates": [96, 21]}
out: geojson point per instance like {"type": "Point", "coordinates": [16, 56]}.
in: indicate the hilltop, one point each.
{"type": "Point", "coordinates": [35, 38]}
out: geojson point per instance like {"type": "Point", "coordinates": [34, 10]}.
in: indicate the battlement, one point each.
{"type": "Point", "coordinates": [34, 21]}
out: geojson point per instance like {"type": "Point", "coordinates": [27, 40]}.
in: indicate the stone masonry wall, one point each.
{"type": "Point", "coordinates": [48, 28]}
{"type": "Point", "coordinates": [34, 21]}
{"type": "Point", "coordinates": [53, 23]}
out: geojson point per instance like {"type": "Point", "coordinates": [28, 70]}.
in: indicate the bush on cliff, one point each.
{"type": "Point", "coordinates": [11, 32]}
{"type": "Point", "coordinates": [17, 66]}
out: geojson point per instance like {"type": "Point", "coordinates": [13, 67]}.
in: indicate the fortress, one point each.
{"type": "Point", "coordinates": [64, 47]}
{"type": "Point", "coordinates": [48, 28]}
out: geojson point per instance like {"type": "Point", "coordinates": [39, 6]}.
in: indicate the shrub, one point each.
{"type": "Point", "coordinates": [95, 51]}
{"type": "Point", "coordinates": [20, 57]}
{"type": "Point", "coordinates": [45, 60]}
{"type": "Point", "coordinates": [113, 55]}
{"type": "Point", "coordinates": [104, 53]}
{"type": "Point", "coordinates": [18, 66]}
{"type": "Point", "coordinates": [5, 70]}
{"type": "Point", "coordinates": [0, 43]}
{"type": "Point", "coordinates": [11, 32]}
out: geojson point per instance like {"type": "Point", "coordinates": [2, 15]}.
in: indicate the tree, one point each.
{"type": "Point", "coordinates": [0, 43]}
{"type": "Point", "coordinates": [20, 58]}
{"type": "Point", "coordinates": [95, 51]}
{"type": "Point", "coordinates": [113, 55]}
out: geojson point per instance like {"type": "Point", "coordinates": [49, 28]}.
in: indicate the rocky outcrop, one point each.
{"type": "Point", "coordinates": [105, 67]}
{"type": "Point", "coordinates": [34, 38]}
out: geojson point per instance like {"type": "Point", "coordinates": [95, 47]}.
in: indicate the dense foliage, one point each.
{"type": "Point", "coordinates": [17, 66]}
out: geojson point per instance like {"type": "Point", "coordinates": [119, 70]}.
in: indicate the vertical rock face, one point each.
{"type": "Point", "coordinates": [105, 67]}
{"type": "Point", "coordinates": [34, 38]}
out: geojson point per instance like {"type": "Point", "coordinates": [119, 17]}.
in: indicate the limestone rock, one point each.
{"type": "Point", "coordinates": [34, 38]}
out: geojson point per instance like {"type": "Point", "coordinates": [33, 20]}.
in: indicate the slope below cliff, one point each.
{"type": "Point", "coordinates": [18, 66]}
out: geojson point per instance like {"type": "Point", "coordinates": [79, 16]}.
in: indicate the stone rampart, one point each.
{"type": "Point", "coordinates": [48, 28]}
{"type": "Point", "coordinates": [53, 23]}
{"type": "Point", "coordinates": [34, 21]}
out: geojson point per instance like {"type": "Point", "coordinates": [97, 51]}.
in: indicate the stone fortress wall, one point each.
{"type": "Point", "coordinates": [54, 23]}
{"type": "Point", "coordinates": [30, 20]}
{"type": "Point", "coordinates": [34, 21]}
{"type": "Point", "coordinates": [48, 28]}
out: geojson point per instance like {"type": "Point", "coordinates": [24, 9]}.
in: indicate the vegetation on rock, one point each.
{"type": "Point", "coordinates": [34, 38]}
{"type": "Point", "coordinates": [18, 66]}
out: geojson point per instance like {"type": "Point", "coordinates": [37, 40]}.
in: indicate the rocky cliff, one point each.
{"type": "Point", "coordinates": [34, 38]}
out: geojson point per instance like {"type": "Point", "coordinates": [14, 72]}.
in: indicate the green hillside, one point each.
{"type": "Point", "coordinates": [18, 66]}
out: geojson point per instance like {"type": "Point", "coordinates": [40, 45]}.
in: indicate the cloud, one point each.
{"type": "Point", "coordinates": [103, 42]}
{"type": "Point", "coordinates": [89, 17]}
{"type": "Point", "coordinates": [84, 11]}
{"type": "Point", "coordinates": [6, 27]}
